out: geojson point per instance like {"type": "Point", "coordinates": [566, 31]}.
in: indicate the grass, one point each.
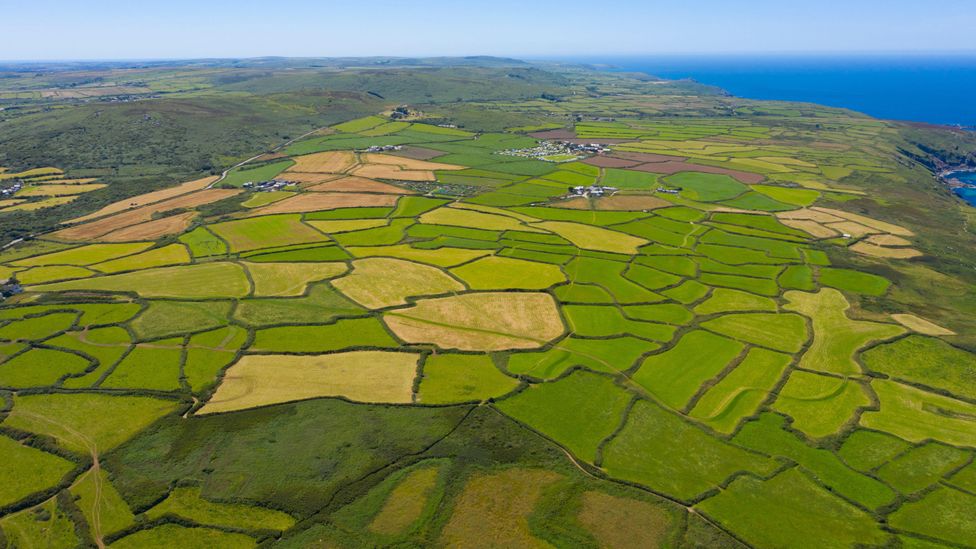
{"type": "Point", "coordinates": [46, 525]}
{"type": "Point", "coordinates": [943, 514]}
{"type": "Point", "coordinates": [789, 195]}
{"type": "Point", "coordinates": [40, 367]}
{"type": "Point", "coordinates": [758, 201]}
{"type": "Point", "coordinates": [259, 445]}
{"type": "Point", "coordinates": [170, 318]}
{"type": "Point", "coordinates": [922, 467]}
{"type": "Point", "coordinates": [780, 332]}
{"type": "Point", "coordinates": [629, 179]}
{"type": "Point", "coordinates": [653, 450]}
{"type": "Point", "coordinates": [106, 345]}
{"type": "Point", "coordinates": [853, 281]}
{"type": "Point", "coordinates": [405, 504]}
{"type": "Point", "coordinates": [174, 254]}
{"type": "Point", "coordinates": [322, 304]}
{"type": "Point", "coordinates": [745, 283]}
{"type": "Point", "coordinates": [330, 226]}
{"type": "Point", "coordinates": [380, 282]}
{"type": "Point", "coordinates": [501, 273]}
{"type": "Point", "coordinates": [589, 237]}
{"type": "Point", "coordinates": [82, 422]}
{"type": "Point", "coordinates": [155, 367]}
{"type": "Point", "coordinates": [187, 503]}
{"type": "Point", "coordinates": [84, 255]}
{"type": "Point", "coordinates": [867, 450]}
{"type": "Point", "coordinates": [578, 411]}
{"type": "Point", "coordinates": [688, 292]}
{"type": "Point", "coordinates": [290, 279]}
{"type": "Point", "coordinates": [669, 313]}
{"type": "Point", "coordinates": [917, 415]}
{"type": "Point", "coordinates": [359, 332]}
{"type": "Point", "coordinates": [380, 236]}
{"type": "Point", "coordinates": [676, 375]}
{"type": "Point", "coordinates": [441, 257]}
{"type": "Point", "coordinates": [505, 499]}
{"type": "Point", "coordinates": [203, 243]}
{"type": "Point", "coordinates": [195, 537]}
{"type": "Point", "coordinates": [204, 280]}
{"type": "Point", "coordinates": [479, 321]}
{"type": "Point", "coordinates": [453, 378]}
{"type": "Point", "coordinates": [925, 360]}
{"type": "Point", "coordinates": [239, 176]}
{"type": "Point", "coordinates": [836, 338]}
{"type": "Point", "coordinates": [740, 393]}
{"type": "Point", "coordinates": [363, 376]}
{"type": "Point", "coordinates": [40, 275]}
{"type": "Point", "coordinates": [611, 519]}
{"type": "Point", "coordinates": [797, 277]}
{"type": "Point", "coordinates": [264, 198]}
{"type": "Point", "coordinates": [38, 327]}
{"type": "Point", "coordinates": [266, 232]}
{"type": "Point", "coordinates": [652, 279]}
{"type": "Point", "coordinates": [605, 355]}
{"type": "Point", "coordinates": [208, 353]}
{"type": "Point", "coordinates": [609, 275]}
{"type": "Point", "coordinates": [790, 510]}
{"type": "Point", "coordinates": [603, 321]}
{"type": "Point", "coordinates": [706, 187]}
{"type": "Point", "coordinates": [724, 300]}
{"type": "Point", "coordinates": [28, 470]}
{"type": "Point", "coordinates": [101, 503]}
{"type": "Point", "coordinates": [473, 219]}
{"type": "Point", "coordinates": [820, 405]}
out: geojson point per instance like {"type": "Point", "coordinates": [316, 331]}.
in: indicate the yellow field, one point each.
{"type": "Point", "coordinates": [380, 282]}
{"type": "Point", "coordinates": [311, 202]}
{"type": "Point", "coordinates": [922, 326]}
{"type": "Point", "coordinates": [148, 198]}
{"type": "Point", "coordinates": [589, 237]}
{"type": "Point", "coordinates": [355, 184]}
{"type": "Point", "coordinates": [406, 502]}
{"type": "Point", "coordinates": [290, 279]}
{"type": "Point", "coordinates": [363, 376]}
{"type": "Point", "coordinates": [323, 162]}
{"type": "Point", "coordinates": [442, 257]}
{"type": "Point", "coordinates": [879, 226]}
{"type": "Point", "coordinates": [60, 190]}
{"type": "Point", "coordinates": [476, 220]}
{"type": "Point", "coordinates": [491, 321]}
{"type": "Point", "coordinates": [331, 226]}
{"type": "Point", "coordinates": [867, 248]}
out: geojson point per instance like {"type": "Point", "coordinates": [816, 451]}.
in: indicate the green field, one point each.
{"type": "Point", "coordinates": [427, 338]}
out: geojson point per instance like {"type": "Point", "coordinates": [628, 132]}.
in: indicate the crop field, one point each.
{"type": "Point", "coordinates": [421, 333]}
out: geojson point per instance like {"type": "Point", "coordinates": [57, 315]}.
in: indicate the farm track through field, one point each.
{"type": "Point", "coordinates": [95, 470]}
{"type": "Point", "coordinates": [223, 174]}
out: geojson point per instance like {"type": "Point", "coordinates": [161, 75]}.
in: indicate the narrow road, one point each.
{"type": "Point", "coordinates": [223, 174]}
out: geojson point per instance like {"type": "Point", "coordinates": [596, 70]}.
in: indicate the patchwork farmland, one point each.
{"type": "Point", "coordinates": [392, 334]}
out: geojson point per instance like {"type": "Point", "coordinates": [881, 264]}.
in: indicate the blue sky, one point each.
{"type": "Point", "coordinates": [114, 29]}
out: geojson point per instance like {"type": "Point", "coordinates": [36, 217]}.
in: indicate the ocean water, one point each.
{"type": "Point", "coordinates": [966, 193]}
{"type": "Point", "coordinates": [922, 88]}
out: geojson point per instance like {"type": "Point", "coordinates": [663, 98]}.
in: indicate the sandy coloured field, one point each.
{"type": "Point", "coordinates": [362, 376]}
{"type": "Point", "coordinates": [323, 162]}
{"type": "Point", "coordinates": [311, 202]}
{"type": "Point", "coordinates": [148, 198]}
{"type": "Point", "coordinates": [888, 240]}
{"type": "Point", "coordinates": [151, 230]}
{"type": "Point", "coordinates": [353, 184]}
{"type": "Point", "coordinates": [879, 226]}
{"type": "Point", "coordinates": [810, 227]}
{"type": "Point", "coordinates": [866, 248]}
{"type": "Point", "coordinates": [100, 227]}
{"type": "Point", "coordinates": [382, 171]}
{"type": "Point", "coordinates": [921, 325]}
{"type": "Point", "coordinates": [488, 321]}
{"type": "Point", "coordinates": [849, 227]}
{"type": "Point", "coordinates": [808, 214]}
{"type": "Point", "coordinates": [381, 282]}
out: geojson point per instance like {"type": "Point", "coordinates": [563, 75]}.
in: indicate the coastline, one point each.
{"type": "Point", "coordinates": [962, 188]}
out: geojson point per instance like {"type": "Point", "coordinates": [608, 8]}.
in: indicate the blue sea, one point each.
{"type": "Point", "coordinates": [938, 89]}
{"type": "Point", "coordinates": [966, 193]}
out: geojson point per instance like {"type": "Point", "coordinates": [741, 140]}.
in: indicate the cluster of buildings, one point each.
{"type": "Point", "coordinates": [547, 149]}
{"type": "Point", "coordinates": [12, 189]}
{"type": "Point", "coordinates": [382, 148]}
{"type": "Point", "coordinates": [585, 148]}
{"type": "Point", "coordinates": [666, 190]}
{"type": "Point", "coordinates": [268, 186]}
{"type": "Point", "coordinates": [591, 190]}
